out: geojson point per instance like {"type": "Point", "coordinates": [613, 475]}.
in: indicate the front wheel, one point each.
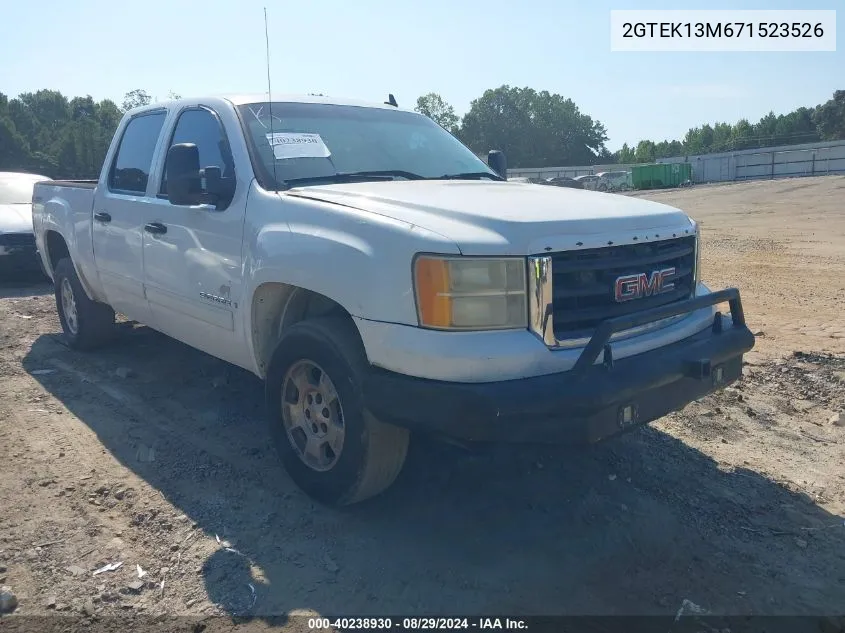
{"type": "Point", "coordinates": [331, 447]}
{"type": "Point", "coordinates": [86, 324]}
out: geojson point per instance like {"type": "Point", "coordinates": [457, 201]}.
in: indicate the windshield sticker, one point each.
{"type": "Point", "coordinates": [297, 145]}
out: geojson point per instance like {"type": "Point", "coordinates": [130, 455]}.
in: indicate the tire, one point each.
{"type": "Point", "coordinates": [41, 268]}
{"type": "Point", "coordinates": [371, 453]}
{"type": "Point", "coordinates": [86, 324]}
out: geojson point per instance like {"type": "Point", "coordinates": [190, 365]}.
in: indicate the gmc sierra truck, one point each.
{"type": "Point", "coordinates": [382, 279]}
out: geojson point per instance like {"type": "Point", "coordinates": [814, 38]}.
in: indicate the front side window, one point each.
{"type": "Point", "coordinates": [130, 170]}
{"type": "Point", "coordinates": [317, 141]}
{"type": "Point", "coordinates": [202, 128]}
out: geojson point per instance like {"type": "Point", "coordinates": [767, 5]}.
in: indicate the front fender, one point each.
{"type": "Point", "coordinates": [361, 261]}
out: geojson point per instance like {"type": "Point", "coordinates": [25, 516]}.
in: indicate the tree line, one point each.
{"type": "Point", "coordinates": [825, 122]}
{"type": "Point", "coordinates": [546, 130]}
{"type": "Point", "coordinates": [48, 133]}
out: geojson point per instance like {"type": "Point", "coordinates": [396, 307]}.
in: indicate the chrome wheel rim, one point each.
{"type": "Point", "coordinates": [69, 307]}
{"type": "Point", "coordinates": [312, 415]}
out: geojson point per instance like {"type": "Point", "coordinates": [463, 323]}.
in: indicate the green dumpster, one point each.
{"type": "Point", "coordinates": [660, 175]}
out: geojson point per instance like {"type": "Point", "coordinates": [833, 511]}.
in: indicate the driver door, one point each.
{"type": "Point", "coordinates": [192, 254]}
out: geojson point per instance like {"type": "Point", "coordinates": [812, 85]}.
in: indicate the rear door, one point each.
{"type": "Point", "coordinates": [120, 211]}
{"type": "Point", "coordinates": [192, 257]}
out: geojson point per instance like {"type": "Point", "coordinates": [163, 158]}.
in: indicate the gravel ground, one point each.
{"type": "Point", "coordinates": [155, 456]}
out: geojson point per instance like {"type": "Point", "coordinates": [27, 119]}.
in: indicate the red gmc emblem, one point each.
{"type": "Point", "coordinates": [641, 285]}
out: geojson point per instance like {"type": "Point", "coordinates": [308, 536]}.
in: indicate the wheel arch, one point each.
{"type": "Point", "coordinates": [56, 249]}
{"type": "Point", "coordinates": [275, 307]}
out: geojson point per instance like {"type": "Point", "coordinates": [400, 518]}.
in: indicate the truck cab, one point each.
{"type": "Point", "coordinates": [382, 280]}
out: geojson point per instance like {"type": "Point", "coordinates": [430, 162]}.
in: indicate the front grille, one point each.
{"type": "Point", "coordinates": [17, 240]}
{"type": "Point", "coordinates": [583, 282]}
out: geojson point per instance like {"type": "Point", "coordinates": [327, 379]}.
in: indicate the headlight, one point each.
{"type": "Point", "coordinates": [464, 293]}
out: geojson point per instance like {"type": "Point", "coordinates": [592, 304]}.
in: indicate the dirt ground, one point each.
{"type": "Point", "coordinates": [154, 455]}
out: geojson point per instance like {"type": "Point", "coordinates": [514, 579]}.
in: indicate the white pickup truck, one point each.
{"type": "Point", "coordinates": [381, 279]}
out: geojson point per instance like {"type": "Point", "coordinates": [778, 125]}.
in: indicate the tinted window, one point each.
{"type": "Point", "coordinates": [131, 168]}
{"type": "Point", "coordinates": [307, 140]}
{"type": "Point", "coordinates": [202, 128]}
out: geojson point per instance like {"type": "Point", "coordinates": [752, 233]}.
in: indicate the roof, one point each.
{"type": "Point", "coordinates": [242, 99]}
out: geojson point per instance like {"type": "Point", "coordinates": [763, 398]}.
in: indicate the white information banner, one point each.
{"type": "Point", "coordinates": [297, 145]}
{"type": "Point", "coordinates": [723, 30]}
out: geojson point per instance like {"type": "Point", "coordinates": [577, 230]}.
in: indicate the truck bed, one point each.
{"type": "Point", "coordinates": [66, 207]}
{"type": "Point", "coordinates": [80, 184]}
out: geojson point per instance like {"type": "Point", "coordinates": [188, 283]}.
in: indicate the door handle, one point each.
{"type": "Point", "coordinates": [102, 216]}
{"type": "Point", "coordinates": [156, 228]}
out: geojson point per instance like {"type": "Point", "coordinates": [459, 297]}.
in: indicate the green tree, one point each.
{"type": "Point", "coordinates": [742, 136]}
{"type": "Point", "coordinates": [136, 98]}
{"type": "Point", "coordinates": [626, 155]}
{"type": "Point", "coordinates": [14, 152]}
{"type": "Point", "coordinates": [644, 152]}
{"type": "Point", "coordinates": [722, 137]}
{"type": "Point", "coordinates": [434, 107]}
{"type": "Point", "coordinates": [605, 157]}
{"type": "Point", "coordinates": [47, 133]}
{"type": "Point", "coordinates": [536, 129]}
{"type": "Point", "coordinates": [765, 129]}
{"type": "Point", "coordinates": [829, 118]}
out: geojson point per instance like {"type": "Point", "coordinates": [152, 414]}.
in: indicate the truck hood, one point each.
{"type": "Point", "coordinates": [15, 218]}
{"type": "Point", "coordinates": [509, 218]}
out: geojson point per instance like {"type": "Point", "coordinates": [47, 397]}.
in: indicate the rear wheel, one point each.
{"type": "Point", "coordinates": [86, 324]}
{"type": "Point", "coordinates": [331, 447]}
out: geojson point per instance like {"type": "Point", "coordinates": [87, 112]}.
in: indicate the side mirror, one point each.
{"type": "Point", "coordinates": [220, 190]}
{"type": "Point", "coordinates": [183, 174]}
{"type": "Point", "coordinates": [497, 162]}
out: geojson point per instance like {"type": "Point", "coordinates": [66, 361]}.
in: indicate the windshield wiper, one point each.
{"type": "Point", "coordinates": [356, 176]}
{"type": "Point", "coordinates": [469, 175]}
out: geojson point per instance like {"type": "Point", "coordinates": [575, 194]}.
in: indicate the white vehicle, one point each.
{"type": "Point", "coordinates": [17, 240]}
{"type": "Point", "coordinates": [381, 278]}
{"type": "Point", "coordinates": [613, 181]}
{"type": "Point", "coordinates": [589, 181]}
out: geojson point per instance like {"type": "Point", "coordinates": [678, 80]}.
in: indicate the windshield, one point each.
{"type": "Point", "coordinates": [319, 141]}
{"type": "Point", "coordinates": [17, 189]}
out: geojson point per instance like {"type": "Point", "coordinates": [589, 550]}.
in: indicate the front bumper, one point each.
{"type": "Point", "coordinates": [593, 401]}
{"type": "Point", "coordinates": [18, 253]}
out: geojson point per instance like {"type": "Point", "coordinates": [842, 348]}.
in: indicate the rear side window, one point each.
{"type": "Point", "coordinates": [131, 168]}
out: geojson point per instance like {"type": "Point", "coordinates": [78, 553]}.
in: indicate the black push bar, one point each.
{"type": "Point", "coordinates": [601, 338]}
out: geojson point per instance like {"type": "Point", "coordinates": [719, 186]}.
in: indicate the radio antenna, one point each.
{"type": "Point", "coordinates": [270, 99]}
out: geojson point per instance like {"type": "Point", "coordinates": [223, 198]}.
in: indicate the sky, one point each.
{"type": "Point", "coordinates": [369, 48]}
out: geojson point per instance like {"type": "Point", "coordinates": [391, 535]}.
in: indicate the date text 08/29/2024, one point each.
{"type": "Point", "coordinates": [415, 624]}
